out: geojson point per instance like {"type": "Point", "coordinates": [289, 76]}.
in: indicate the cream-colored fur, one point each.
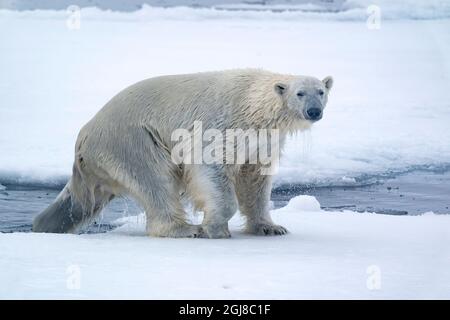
{"type": "Point", "coordinates": [126, 149]}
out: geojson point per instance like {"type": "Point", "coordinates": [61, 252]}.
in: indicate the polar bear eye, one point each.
{"type": "Point", "coordinates": [300, 94]}
{"type": "Point", "coordinates": [321, 92]}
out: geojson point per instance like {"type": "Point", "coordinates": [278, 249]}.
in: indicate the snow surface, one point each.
{"type": "Point", "coordinates": [326, 255]}
{"type": "Point", "coordinates": [346, 9]}
{"type": "Point", "coordinates": [389, 109]}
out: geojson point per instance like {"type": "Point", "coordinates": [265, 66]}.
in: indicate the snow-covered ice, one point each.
{"type": "Point", "coordinates": [389, 111]}
{"type": "Point", "coordinates": [389, 108]}
{"type": "Point", "coordinates": [326, 255]}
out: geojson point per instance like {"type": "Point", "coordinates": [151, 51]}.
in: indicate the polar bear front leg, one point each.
{"type": "Point", "coordinates": [210, 187]}
{"type": "Point", "coordinates": [253, 193]}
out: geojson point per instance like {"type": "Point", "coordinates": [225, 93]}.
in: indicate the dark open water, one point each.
{"type": "Point", "coordinates": [409, 193]}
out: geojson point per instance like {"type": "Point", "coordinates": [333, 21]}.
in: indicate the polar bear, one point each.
{"type": "Point", "coordinates": [126, 150]}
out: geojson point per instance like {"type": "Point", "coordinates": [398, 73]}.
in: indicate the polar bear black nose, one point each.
{"type": "Point", "coordinates": [314, 113]}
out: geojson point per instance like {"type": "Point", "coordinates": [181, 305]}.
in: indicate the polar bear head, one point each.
{"type": "Point", "coordinates": [305, 97]}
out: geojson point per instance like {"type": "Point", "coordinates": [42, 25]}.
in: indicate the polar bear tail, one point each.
{"type": "Point", "coordinates": [76, 206]}
{"type": "Point", "coordinates": [62, 216]}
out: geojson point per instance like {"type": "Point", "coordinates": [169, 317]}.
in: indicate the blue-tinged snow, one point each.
{"type": "Point", "coordinates": [326, 255]}
{"type": "Point", "coordinates": [388, 111]}
{"type": "Point", "coordinates": [329, 9]}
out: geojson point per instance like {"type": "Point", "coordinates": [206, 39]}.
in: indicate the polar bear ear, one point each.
{"type": "Point", "coordinates": [328, 82]}
{"type": "Point", "coordinates": [280, 88]}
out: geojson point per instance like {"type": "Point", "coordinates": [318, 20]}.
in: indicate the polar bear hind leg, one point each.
{"type": "Point", "coordinates": [153, 180]}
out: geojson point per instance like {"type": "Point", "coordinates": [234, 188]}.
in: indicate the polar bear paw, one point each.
{"type": "Point", "coordinates": [267, 229]}
{"type": "Point", "coordinates": [175, 230]}
{"type": "Point", "coordinates": [215, 231]}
